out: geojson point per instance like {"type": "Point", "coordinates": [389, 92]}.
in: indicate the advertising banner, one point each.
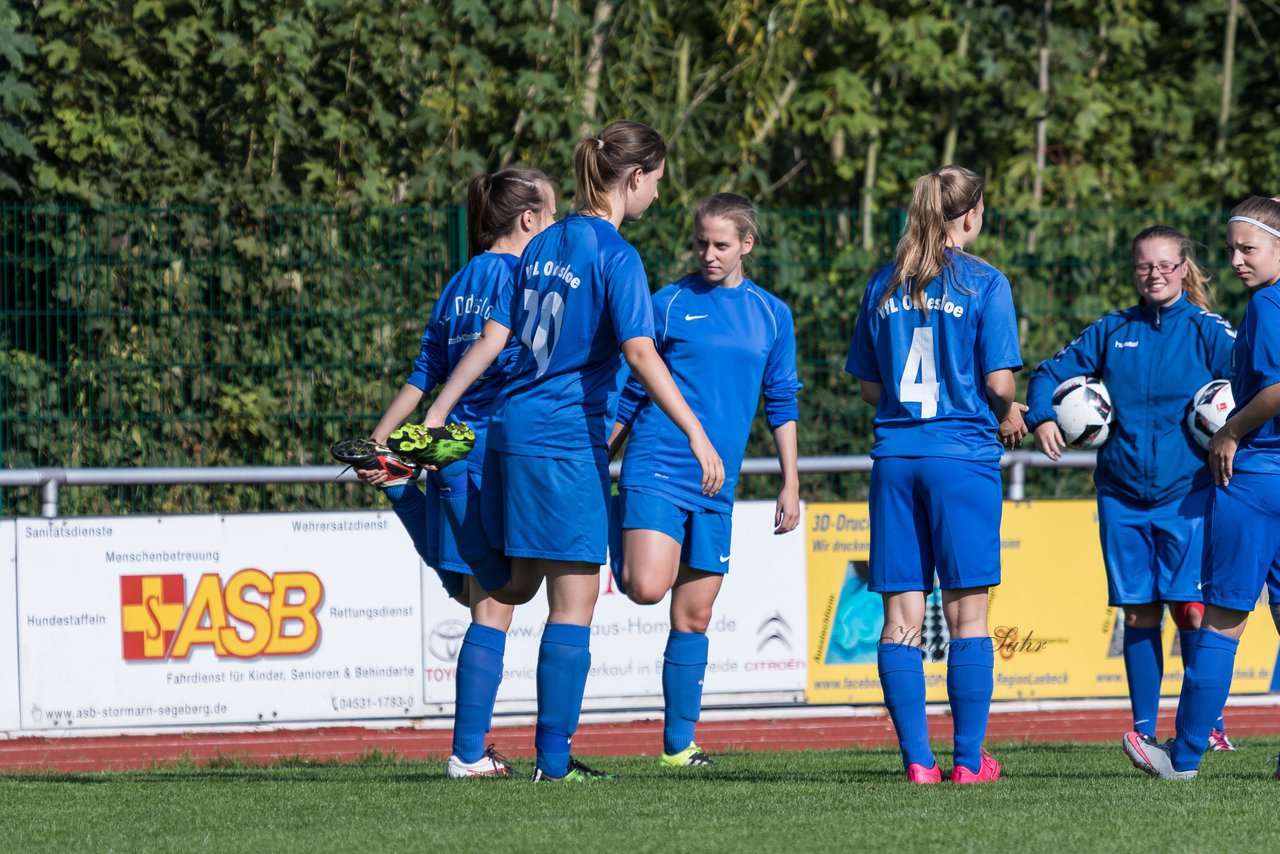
{"type": "Point", "coordinates": [8, 626]}
{"type": "Point", "coordinates": [757, 633]}
{"type": "Point", "coordinates": [132, 621]}
{"type": "Point", "coordinates": [1054, 635]}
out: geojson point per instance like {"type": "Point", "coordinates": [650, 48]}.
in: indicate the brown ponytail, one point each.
{"type": "Point", "coordinates": [1195, 283]}
{"type": "Point", "coordinates": [938, 197]}
{"type": "Point", "coordinates": [495, 202]}
{"type": "Point", "coordinates": [605, 161]}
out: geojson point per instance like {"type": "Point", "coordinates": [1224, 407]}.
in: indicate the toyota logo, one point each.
{"type": "Point", "coordinates": [446, 639]}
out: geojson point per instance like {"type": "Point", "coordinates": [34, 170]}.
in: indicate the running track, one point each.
{"type": "Point", "coordinates": [812, 729]}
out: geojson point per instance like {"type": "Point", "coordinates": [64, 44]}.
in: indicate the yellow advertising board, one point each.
{"type": "Point", "coordinates": [1055, 636]}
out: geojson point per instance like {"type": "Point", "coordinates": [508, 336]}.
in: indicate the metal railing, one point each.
{"type": "Point", "coordinates": [50, 481]}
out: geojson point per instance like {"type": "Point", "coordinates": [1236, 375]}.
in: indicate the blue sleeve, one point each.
{"type": "Point", "coordinates": [781, 382]}
{"type": "Point", "coordinates": [862, 362]}
{"type": "Point", "coordinates": [1222, 339]}
{"type": "Point", "coordinates": [627, 292]}
{"type": "Point", "coordinates": [1263, 328]}
{"type": "Point", "coordinates": [432, 365]}
{"type": "Point", "coordinates": [506, 307]}
{"type": "Point", "coordinates": [1082, 357]}
{"type": "Point", "coordinates": [998, 330]}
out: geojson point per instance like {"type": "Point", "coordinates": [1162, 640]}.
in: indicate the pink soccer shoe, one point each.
{"type": "Point", "coordinates": [988, 773]}
{"type": "Point", "coordinates": [917, 773]}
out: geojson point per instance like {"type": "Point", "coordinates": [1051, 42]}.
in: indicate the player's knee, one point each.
{"type": "Point", "coordinates": [696, 620]}
{"type": "Point", "coordinates": [643, 588]}
{"type": "Point", "coordinates": [516, 593]}
{"type": "Point", "coordinates": [1142, 616]}
{"type": "Point", "coordinates": [1187, 615]}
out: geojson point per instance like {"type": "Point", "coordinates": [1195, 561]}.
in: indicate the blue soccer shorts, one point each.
{"type": "Point", "coordinates": [704, 535]}
{"type": "Point", "coordinates": [443, 519]}
{"type": "Point", "coordinates": [929, 512]}
{"type": "Point", "coordinates": [1153, 553]}
{"type": "Point", "coordinates": [1242, 540]}
{"type": "Point", "coordinates": [548, 508]}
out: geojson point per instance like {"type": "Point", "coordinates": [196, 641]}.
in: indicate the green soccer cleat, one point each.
{"type": "Point", "coordinates": [578, 773]}
{"type": "Point", "coordinates": [436, 447]}
{"type": "Point", "coordinates": [691, 757]}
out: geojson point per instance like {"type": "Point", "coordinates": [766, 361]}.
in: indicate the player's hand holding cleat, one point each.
{"type": "Point", "coordinates": [374, 462]}
{"type": "Point", "coordinates": [432, 447]}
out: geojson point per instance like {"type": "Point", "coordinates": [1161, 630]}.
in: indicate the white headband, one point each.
{"type": "Point", "coordinates": [1262, 225]}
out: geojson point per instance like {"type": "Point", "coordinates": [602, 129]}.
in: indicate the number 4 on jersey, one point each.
{"type": "Point", "coordinates": [920, 363]}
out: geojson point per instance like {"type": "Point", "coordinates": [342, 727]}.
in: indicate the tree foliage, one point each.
{"type": "Point", "coordinates": [794, 102]}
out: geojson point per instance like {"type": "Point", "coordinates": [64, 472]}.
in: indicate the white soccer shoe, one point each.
{"type": "Point", "coordinates": [1151, 757]}
{"type": "Point", "coordinates": [490, 764]}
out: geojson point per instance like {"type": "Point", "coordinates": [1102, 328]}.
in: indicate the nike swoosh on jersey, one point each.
{"type": "Point", "coordinates": [724, 558]}
{"type": "Point", "coordinates": [695, 316]}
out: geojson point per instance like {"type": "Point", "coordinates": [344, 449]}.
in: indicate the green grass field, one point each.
{"type": "Point", "coordinates": [1069, 797]}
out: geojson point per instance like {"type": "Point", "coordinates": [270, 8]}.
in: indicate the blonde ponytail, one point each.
{"type": "Point", "coordinates": [937, 198]}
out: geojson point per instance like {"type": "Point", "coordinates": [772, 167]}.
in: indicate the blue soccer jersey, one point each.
{"type": "Point", "coordinates": [933, 366]}
{"type": "Point", "coordinates": [1152, 360]}
{"type": "Point", "coordinates": [580, 291]}
{"type": "Point", "coordinates": [459, 314]}
{"type": "Point", "coordinates": [1256, 359]}
{"type": "Point", "coordinates": [722, 345]}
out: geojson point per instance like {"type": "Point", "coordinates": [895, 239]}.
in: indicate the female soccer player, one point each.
{"type": "Point", "coordinates": [580, 293]}
{"type": "Point", "coordinates": [935, 349]}
{"type": "Point", "coordinates": [723, 338]}
{"type": "Point", "coordinates": [1151, 478]}
{"type": "Point", "coordinates": [504, 212]}
{"type": "Point", "coordinates": [1242, 526]}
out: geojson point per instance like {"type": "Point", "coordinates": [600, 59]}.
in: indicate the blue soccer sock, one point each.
{"type": "Point", "coordinates": [1187, 640]}
{"type": "Point", "coordinates": [1205, 689]}
{"type": "Point", "coordinates": [1144, 668]}
{"type": "Point", "coordinates": [902, 678]}
{"type": "Point", "coordinates": [970, 681]}
{"type": "Point", "coordinates": [410, 507]}
{"type": "Point", "coordinates": [684, 664]}
{"type": "Point", "coordinates": [564, 659]}
{"type": "Point", "coordinates": [479, 674]}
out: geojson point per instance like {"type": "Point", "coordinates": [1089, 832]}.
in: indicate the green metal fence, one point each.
{"type": "Point", "coordinates": [197, 336]}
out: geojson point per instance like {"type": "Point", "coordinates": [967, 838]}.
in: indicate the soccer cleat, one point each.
{"type": "Point", "coordinates": [1218, 741]}
{"type": "Point", "coordinates": [1151, 757]}
{"type": "Point", "coordinates": [490, 764]}
{"type": "Point", "coordinates": [917, 773]}
{"type": "Point", "coordinates": [432, 446]}
{"type": "Point", "coordinates": [578, 773]}
{"type": "Point", "coordinates": [691, 757]}
{"type": "Point", "coordinates": [988, 773]}
{"type": "Point", "coordinates": [368, 455]}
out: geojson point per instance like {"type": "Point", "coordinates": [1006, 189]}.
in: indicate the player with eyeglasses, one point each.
{"type": "Point", "coordinates": [1242, 525]}
{"type": "Point", "coordinates": [1151, 477]}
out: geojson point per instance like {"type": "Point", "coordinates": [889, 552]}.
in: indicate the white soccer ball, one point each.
{"type": "Point", "coordinates": [1082, 408]}
{"type": "Point", "coordinates": [1210, 407]}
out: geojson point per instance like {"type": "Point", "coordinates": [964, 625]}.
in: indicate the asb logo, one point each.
{"type": "Point", "coordinates": [251, 614]}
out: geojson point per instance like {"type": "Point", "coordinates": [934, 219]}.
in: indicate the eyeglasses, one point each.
{"type": "Point", "coordinates": [1164, 269]}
